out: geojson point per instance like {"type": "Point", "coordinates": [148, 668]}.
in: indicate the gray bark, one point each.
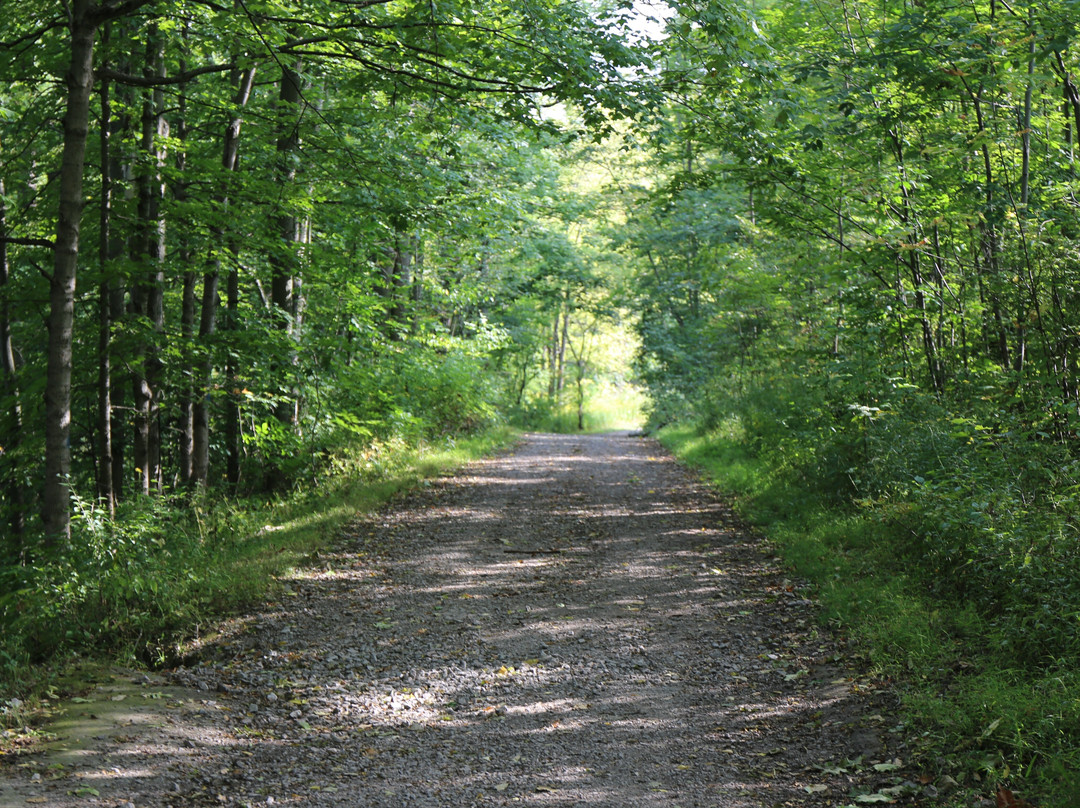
{"type": "Point", "coordinates": [290, 228]}
{"type": "Point", "coordinates": [56, 500]}
{"type": "Point", "coordinates": [106, 488]}
{"type": "Point", "coordinates": [148, 299]}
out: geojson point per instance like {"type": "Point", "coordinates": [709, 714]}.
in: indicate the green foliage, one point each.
{"type": "Point", "coordinates": [983, 512]}
{"type": "Point", "coordinates": [131, 584]}
{"type": "Point", "coordinates": [389, 158]}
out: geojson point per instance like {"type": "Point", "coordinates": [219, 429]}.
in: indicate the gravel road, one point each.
{"type": "Point", "coordinates": [577, 623]}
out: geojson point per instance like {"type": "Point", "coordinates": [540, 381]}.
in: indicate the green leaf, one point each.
{"type": "Point", "coordinates": [886, 767]}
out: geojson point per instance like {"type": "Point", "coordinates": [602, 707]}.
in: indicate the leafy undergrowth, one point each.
{"type": "Point", "coordinates": [986, 716]}
{"type": "Point", "coordinates": [139, 588]}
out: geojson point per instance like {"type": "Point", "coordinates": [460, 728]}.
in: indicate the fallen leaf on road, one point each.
{"type": "Point", "coordinates": [886, 767]}
{"type": "Point", "coordinates": [1006, 799]}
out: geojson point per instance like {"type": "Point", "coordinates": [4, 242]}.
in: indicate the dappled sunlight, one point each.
{"type": "Point", "coordinates": [473, 480]}
{"type": "Point", "coordinates": [605, 654]}
{"type": "Point", "coordinates": [116, 772]}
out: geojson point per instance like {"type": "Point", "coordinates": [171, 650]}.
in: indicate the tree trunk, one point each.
{"type": "Point", "coordinates": [553, 357]}
{"type": "Point", "coordinates": [106, 488]}
{"type": "Point", "coordinates": [56, 500]}
{"type": "Point", "coordinates": [401, 281]}
{"type": "Point", "coordinates": [580, 380]}
{"type": "Point", "coordinates": [1020, 355]}
{"type": "Point", "coordinates": [416, 290]}
{"type": "Point", "coordinates": [188, 309]}
{"type": "Point", "coordinates": [996, 334]}
{"type": "Point", "coordinates": [200, 467]}
{"type": "Point", "coordinates": [561, 358]}
{"type": "Point", "coordinates": [119, 420]}
{"type": "Point", "coordinates": [11, 418]}
{"type": "Point", "coordinates": [908, 217]}
{"type": "Point", "coordinates": [188, 313]}
{"type": "Point", "coordinates": [232, 397]}
{"type": "Point", "coordinates": [148, 299]}
{"type": "Point", "coordinates": [1025, 123]}
{"type": "Point", "coordinates": [290, 228]}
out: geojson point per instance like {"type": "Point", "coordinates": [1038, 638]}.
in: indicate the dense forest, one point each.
{"type": "Point", "coordinates": [247, 245]}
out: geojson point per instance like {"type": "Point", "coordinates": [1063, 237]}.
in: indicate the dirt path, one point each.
{"type": "Point", "coordinates": [579, 623]}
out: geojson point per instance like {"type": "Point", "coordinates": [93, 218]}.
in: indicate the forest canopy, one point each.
{"type": "Point", "coordinates": [229, 229]}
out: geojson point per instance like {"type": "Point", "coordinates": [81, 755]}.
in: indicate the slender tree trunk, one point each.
{"type": "Point", "coordinates": [1067, 341]}
{"type": "Point", "coordinates": [56, 499]}
{"type": "Point", "coordinates": [232, 398]}
{"type": "Point", "coordinates": [149, 293]}
{"type": "Point", "coordinates": [106, 488]}
{"type": "Point", "coordinates": [200, 460]}
{"type": "Point", "coordinates": [580, 380]}
{"type": "Point", "coordinates": [939, 277]}
{"type": "Point", "coordinates": [997, 337]}
{"type": "Point", "coordinates": [523, 383]}
{"type": "Point", "coordinates": [401, 280]}
{"type": "Point", "coordinates": [11, 419]}
{"type": "Point", "coordinates": [188, 302]}
{"type": "Point", "coordinates": [1020, 354]}
{"type": "Point", "coordinates": [289, 227]}
{"type": "Point", "coordinates": [552, 354]}
{"type": "Point", "coordinates": [119, 422]}
{"type": "Point", "coordinates": [230, 147]}
{"type": "Point", "coordinates": [416, 291]}
{"type": "Point", "coordinates": [990, 248]}
{"type": "Point", "coordinates": [188, 316]}
{"type": "Point", "coordinates": [121, 174]}
{"type": "Point", "coordinates": [561, 381]}
{"type": "Point", "coordinates": [908, 216]}
{"type": "Point", "coordinates": [1025, 122]}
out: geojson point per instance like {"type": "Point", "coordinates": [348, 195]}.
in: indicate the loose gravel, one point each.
{"type": "Point", "coordinates": [577, 623]}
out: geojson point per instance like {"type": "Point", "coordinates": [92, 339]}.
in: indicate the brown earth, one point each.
{"type": "Point", "coordinates": [578, 623]}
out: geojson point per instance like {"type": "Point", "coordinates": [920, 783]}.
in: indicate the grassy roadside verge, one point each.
{"type": "Point", "coordinates": [977, 713]}
{"type": "Point", "coordinates": [138, 590]}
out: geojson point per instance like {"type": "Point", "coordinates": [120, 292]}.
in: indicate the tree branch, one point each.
{"type": "Point", "coordinates": [28, 242]}
{"type": "Point", "coordinates": [161, 81]}
{"type": "Point", "coordinates": [478, 84]}
{"type": "Point", "coordinates": [115, 9]}
{"type": "Point", "coordinates": [361, 4]}
{"type": "Point", "coordinates": [34, 35]}
{"type": "Point", "coordinates": [211, 4]}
